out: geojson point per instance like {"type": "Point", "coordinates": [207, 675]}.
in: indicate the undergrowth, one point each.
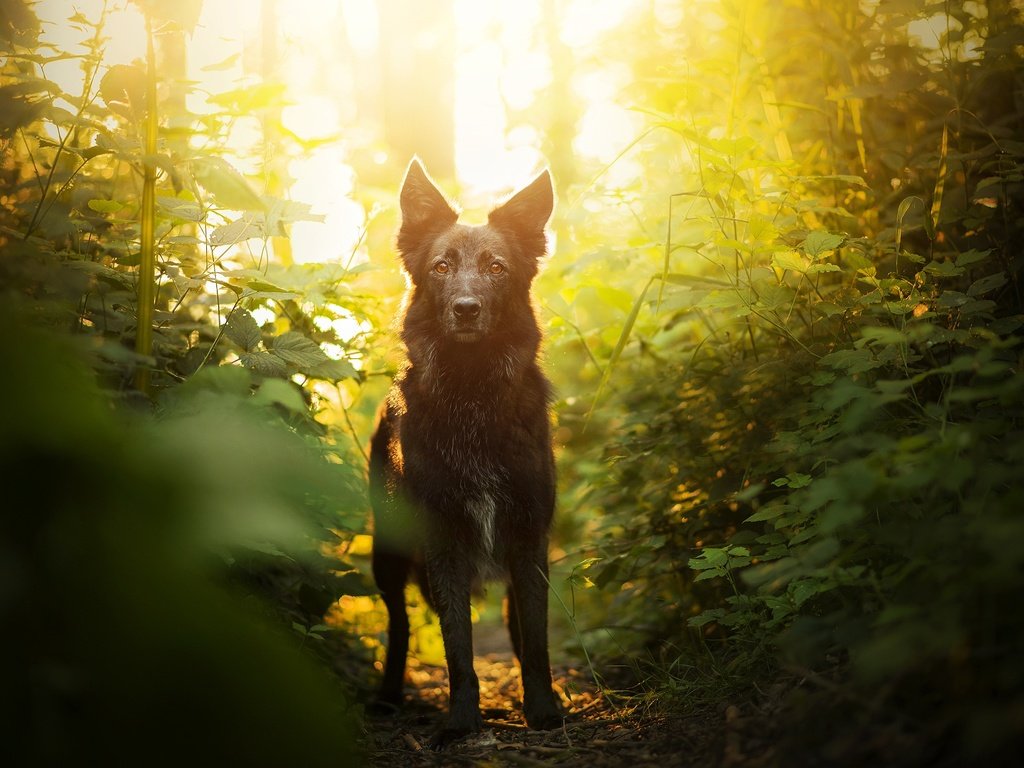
{"type": "Point", "coordinates": [784, 324]}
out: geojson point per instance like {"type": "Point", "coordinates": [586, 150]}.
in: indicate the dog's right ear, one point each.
{"type": "Point", "coordinates": [425, 210]}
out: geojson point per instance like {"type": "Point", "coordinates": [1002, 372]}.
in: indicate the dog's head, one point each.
{"type": "Point", "coordinates": [471, 276]}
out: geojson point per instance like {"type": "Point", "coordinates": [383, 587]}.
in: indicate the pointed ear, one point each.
{"type": "Point", "coordinates": [424, 208]}
{"type": "Point", "coordinates": [528, 210]}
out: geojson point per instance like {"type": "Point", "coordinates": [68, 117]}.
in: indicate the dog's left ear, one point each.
{"type": "Point", "coordinates": [528, 210]}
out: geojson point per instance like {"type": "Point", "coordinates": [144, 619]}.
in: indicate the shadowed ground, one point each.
{"type": "Point", "coordinates": [596, 733]}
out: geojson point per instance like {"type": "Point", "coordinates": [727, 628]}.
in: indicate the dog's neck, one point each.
{"type": "Point", "coordinates": [489, 365]}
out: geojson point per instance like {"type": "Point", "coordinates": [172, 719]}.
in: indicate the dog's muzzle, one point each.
{"type": "Point", "coordinates": [466, 311]}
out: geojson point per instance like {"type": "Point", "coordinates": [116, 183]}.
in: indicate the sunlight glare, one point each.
{"type": "Point", "coordinates": [586, 20]}
{"type": "Point", "coordinates": [324, 180]}
{"type": "Point", "coordinates": [502, 66]}
{"type": "Point", "coordinates": [362, 25]}
{"type": "Point", "coordinates": [495, 68]}
{"type": "Point", "coordinates": [928, 32]}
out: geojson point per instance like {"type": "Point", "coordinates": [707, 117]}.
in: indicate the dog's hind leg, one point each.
{"type": "Point", "coordinates": [528, 618]}
{"type": "Point", "coordinates": [391, 572]}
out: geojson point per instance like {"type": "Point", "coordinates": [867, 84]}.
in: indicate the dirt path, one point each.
{"type": "Point", "coordinates": [595, 734]}
{"type": "Point", "coordinates": [790, 719]}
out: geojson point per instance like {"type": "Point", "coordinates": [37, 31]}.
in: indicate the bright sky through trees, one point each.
{"type": "Point", "coordinates": [500, 65]}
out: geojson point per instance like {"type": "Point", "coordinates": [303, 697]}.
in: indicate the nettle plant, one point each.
{"type": "Point", "coordinates": [157, 235]}
{"type": "Point", "coordinates": [122, 222]}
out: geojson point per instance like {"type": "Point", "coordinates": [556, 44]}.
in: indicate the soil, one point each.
{"type": "Point", "coordinates": [600, 729]}
{"type": "Point", "coordinates": [594, 733]}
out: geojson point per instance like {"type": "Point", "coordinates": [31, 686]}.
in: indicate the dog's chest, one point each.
{"type": "Point", "coordinates": [465, 455]}
{"type": "Point", "coordinates": [469, 439]}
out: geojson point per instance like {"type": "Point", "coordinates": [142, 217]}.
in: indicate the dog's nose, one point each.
{"type": "Point", "coordinates": [466, 308]}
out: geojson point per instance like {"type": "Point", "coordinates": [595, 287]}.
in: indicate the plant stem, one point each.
{"type": "Point", "coordinates": [147, 258]}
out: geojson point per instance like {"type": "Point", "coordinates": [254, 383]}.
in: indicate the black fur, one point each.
{"type": "Point", "coordinates": [462, 475]}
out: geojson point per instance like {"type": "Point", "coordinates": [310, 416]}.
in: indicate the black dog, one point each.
{"type": "Point", "coordinates": [462, 475]}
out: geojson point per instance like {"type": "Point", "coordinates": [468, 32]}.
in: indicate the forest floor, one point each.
{"type": "Point", "coordinates": [599, 731]}
{"type": "Point", "coordinates": [721, 726]}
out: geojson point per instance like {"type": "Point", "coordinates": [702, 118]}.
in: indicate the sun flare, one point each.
{"type": "Point", "coordinates": [501, 67]}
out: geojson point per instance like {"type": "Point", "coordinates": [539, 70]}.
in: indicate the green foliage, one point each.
{"type": "Point", "coordinates": [162, 535]}
{"type": "Point", "coordinates": [75, 204]}
{"type": "Point", "coordinates": [784, 323]}
{"type": "Point", "coordinates": [118, 531]}
{"type": "Point", "coordinates": [816, 394]}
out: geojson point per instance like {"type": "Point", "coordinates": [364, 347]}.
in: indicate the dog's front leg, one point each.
{"type": "Point", "coordinates": [449, 574]}
{"type": "Point", "coordinates": [529, 593]}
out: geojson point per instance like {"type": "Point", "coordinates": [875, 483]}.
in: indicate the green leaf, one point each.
{"type": "Point", "coordinates": [706, 617]}
{"type": "Point", "coordinates": [223, 64]}
{"type": "Point", "coordinates": [723, 300]}
{"type": "Point", "coordinates": [242, 329]}
{"type": "Point", "coordinates": [748, 493]}
{"type": "Point", "coordinates": [790, 260]}
{"type": "Point", "coordinates": [850, 360]}
{"type": "Point", "coordinates": [986, 284]}
{"type": "Point", "coordinates": [248, 293]}
{"type": "Point", "coordinates": [769, 511]}
{"type": "Point", "coordinates": [793, 480]}
{"type": "Point", "coordinates": [256, 280]}
{"type": "Point", "coordinates": [815, 269]}
{"type": "Point", "coordinates": [90, 152]}
{"type": "Point", "coordinates": [972, 256]}
{"type": "Point", "coordinates": [299, 350]}
{"type": "Point", "coordinates": [901, 214]}
{"type": "Point", "coordinates": [241, 229]}
{"type": "Point", "coordinates": [819, 242]}
{"type": "Point", "coordinates": [943, 269]}
{"type": "Point", "coordinates": [802, 591]}
{"type": "Point", "coordinates": [614, 297]}
{"type": "Point", "coordinates": [228, 187]}
{"type": "Point", "coordinates": [251, 98]}
{"type": "Point", "coordinates": [856, 260]}
{"type": "Point", "coordinates": [710, 557]}
{"type": "Point", "coordinates": [265, 363]}
{"type": "Point", "coordinates": [188, 210]}
{"type": "Point", "coordinates": [333, 370]}
{"type": "Point", "coordinates": [287, 211]}
{"type": "Point", "coordinates": [105, 206]}
{"type": "Point", "coordinates": [280, 392]}
{"type": "Point", "coordinates": [902, 306]}
{"type": "Point", "coordinates": [762, 230]}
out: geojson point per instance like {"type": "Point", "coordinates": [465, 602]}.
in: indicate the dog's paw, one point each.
{"type": "Point", "coordinates": [446, 737]}
{"type": "Point", "coordinates": [384, 706]}
{"type": "Point", "coordinates": [455, 729]}
{"type": "Point", "coordinates": [544, 717]}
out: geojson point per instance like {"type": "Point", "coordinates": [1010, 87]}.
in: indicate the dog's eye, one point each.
{"type": "Point", "coordinates": [441, 267]}
{"type": "Point", "coordinates": [496, 268]}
